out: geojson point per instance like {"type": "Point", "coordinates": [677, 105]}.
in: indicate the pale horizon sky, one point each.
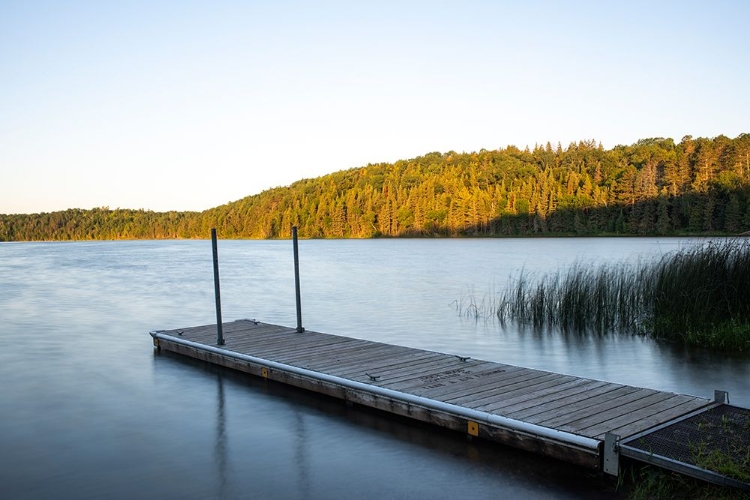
{"type": "Point", "coordinates": [187, 105]}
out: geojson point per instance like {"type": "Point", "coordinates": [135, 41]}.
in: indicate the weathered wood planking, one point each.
{"type": "Point", "coordinates": [561, 403]}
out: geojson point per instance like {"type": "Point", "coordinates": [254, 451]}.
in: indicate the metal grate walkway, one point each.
{"type": "Point", "coordinates": [713, 445]}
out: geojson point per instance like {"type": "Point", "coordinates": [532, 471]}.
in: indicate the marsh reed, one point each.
{"type": "Point", "coordinates": [699, 295]}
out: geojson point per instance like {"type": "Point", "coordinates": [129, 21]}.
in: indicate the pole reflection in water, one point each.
{"type": "Point", "coordinates": [300, 453]}
{"type": "Point", "coordinates": [300, 450]}
{"type": "Point", "coordinates": [220, 452]}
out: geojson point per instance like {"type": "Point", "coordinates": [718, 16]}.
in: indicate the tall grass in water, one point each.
{"type": "Point", "coordinates": [700, 295]}
{"type": "Point", "coordinates": [598, 299]}
{"type": "Point", "coordinates": [470, 307]}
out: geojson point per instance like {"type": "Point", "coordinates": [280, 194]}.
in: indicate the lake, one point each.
{"type": "Point", "coordinates": [90, 410]}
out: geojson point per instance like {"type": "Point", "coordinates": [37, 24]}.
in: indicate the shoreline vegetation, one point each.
{"type": "Point", "coordinates": [647, 482]}
{"type": "Point", "coordinates": [655, 187]}
{"type": "Point", "coordinates": [698, 296]}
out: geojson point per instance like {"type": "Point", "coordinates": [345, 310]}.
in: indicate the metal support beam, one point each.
{"type": "Point", "coordinates": [721, 397]}
{"type": "Point", "coordinates": [611, 455]}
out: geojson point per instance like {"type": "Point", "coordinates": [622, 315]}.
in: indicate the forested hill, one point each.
{"type": "Point", "coordinates": [655, 186]}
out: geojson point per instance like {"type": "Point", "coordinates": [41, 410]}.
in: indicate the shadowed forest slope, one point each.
{"type": "Point", "coordinates": [653, 187]}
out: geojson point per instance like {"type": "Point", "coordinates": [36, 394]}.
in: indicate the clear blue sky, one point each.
{"type": "Point", "coordinates": [187, 105]}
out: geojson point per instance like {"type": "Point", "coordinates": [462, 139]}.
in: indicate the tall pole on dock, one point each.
{"type": "Point", "coordinates": [296, 280]}
{"type": "Point", "coordinates": [219, 328]}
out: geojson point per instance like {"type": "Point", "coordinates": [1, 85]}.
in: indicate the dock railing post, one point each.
{"type": "Point", "coordinates": [296, 280]}
{"type": "Point", "coordinates": [219, 327]}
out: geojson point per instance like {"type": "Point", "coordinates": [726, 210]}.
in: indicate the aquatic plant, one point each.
{"type": "Point", "coordinates": [470, 307]}
{"type": "Point", "coordinates": [723, 448]}
{"type": "Point", "coordinates": [646, 482]}
{"type": "Point", "coordinates": [699, 295]}
{"type": "Point", "coordinates": [702, 295]}
{"type": "Point", "coordinates": [582, 299]}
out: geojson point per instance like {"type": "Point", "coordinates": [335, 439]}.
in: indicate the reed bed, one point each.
{"type": "Point", "coordinates": [699, 295]}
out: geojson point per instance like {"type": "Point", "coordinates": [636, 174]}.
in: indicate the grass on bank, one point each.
{"type": "Point", "coordinates": [699, 295]}
{"type": "Point", "coordinates": [724, 448]}
{"type": "Point", "coordinates": [646, 482]}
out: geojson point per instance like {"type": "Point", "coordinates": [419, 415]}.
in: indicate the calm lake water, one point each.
{"type": "Point", "coordinates": [90, 410]}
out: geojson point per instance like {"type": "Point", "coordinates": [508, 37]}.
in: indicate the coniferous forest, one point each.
{"type": "Point", "coordinates": [653, 187]}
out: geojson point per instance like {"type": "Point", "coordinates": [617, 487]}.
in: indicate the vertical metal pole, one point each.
{"type": "Point", "coordinates": [296, 280]}
{"type": "Point", "coordinates": [219, 327]}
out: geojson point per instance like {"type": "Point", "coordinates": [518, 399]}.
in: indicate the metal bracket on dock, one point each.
{"type": "Point", "coordinates": [154, 334]}
{"type": "Point", "coordinates": [472, 428]}
{"type": "Point", "coordinates": [611, 463]}
{"type": "Point", "coordinates": [721, 397]}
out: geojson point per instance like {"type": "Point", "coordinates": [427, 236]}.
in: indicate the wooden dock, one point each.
{"type": "Point", "coordinates": [557, 415]}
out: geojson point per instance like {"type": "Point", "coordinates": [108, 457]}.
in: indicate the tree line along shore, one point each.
{"type": "Point", "coordinates": [654, 187]}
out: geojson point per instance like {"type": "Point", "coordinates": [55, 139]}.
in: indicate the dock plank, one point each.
{"type": "Point", "coordinates": [652, 420]}
{"type": "Point", "coordinates": [392, 368]}
{"type": "Point", "coordinates": [620, 420]}
{"type": "Point", "coordinates": [335, 350]}
{"type": "Point", "coordinates": [589, 406]}
{"type": "Point", "coordinates": [356, 355]}
{"type": "Point", "coordinates": [491, 377]}
{"type": "Point", "coordinates": [534, 382]}
{"type": "Point", "coordinates": [402, 372]}
{"type": "Point", "coordinates": [438, 377]}
{"type": "Point", "coordinates": [281, 345]}
{"type": "Point", "coordinates": [526, 399]}
{"type": "Point", "coordinates": [622, 407]}
{"type": "Point", "coordinates": [385, 363]}
{"type": "Point", "coordinates": [413, 375]}
{"type": "Point", "coordinates": [572, 400]}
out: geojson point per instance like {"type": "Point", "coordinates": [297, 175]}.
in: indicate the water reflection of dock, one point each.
{"type": "Point", "coordinates": [571, 418]}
